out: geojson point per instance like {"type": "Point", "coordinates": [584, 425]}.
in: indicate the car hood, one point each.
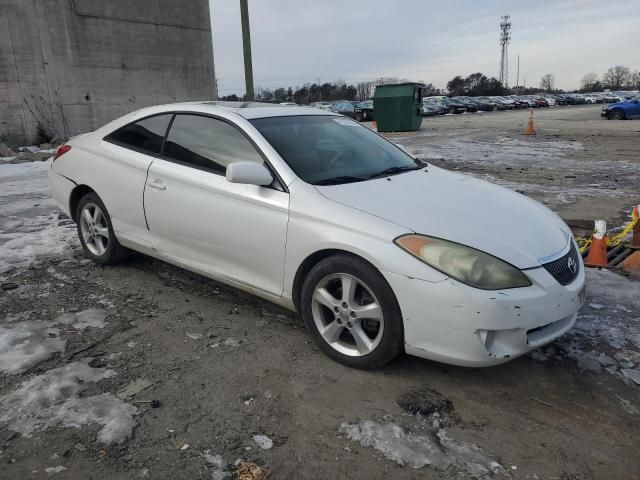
{"type": "Point", "coordinates": [462, 209]}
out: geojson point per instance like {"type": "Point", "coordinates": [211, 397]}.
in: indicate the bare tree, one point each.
{"type": "Point", "coordinates": [634, 80]}
{"type": "Point", "coordinates": [546, 83]}
{"type": "Point", "coordinates": [616, 77]}
{"type": "Point", "coordinates": [588, 81]}
{"type": "Point", "coordinates": [364, 90]}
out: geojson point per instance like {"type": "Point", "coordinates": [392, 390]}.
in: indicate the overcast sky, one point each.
{"type": "Point", "coordinates": [299, 41]}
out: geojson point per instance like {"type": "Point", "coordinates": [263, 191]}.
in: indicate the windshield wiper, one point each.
{"type": "Point", "coordinates": [392, 170]}
{"type": "Point", "coordinates": [340, 179]}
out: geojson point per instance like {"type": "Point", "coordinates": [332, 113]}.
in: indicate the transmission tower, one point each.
{"type": "Point", "coordinates": [505, 38]}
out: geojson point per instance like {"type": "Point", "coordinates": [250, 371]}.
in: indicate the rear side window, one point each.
{"type": "Point", "coordinates": [145, 136]}
{"type": "Point", "coordinates": [208, 143]}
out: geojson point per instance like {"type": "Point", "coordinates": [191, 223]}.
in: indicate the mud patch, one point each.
{"type": "Point", "coordinates": [425, 402]}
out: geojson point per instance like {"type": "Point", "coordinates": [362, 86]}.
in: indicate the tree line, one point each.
{"type": "Point", "coordinates": [476, 84]}
{"type": "Point", "coordinates": [325, 92]}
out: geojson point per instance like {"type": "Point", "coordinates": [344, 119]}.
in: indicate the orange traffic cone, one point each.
{"type": "Point", "coordinates": [530, 128]}
{"type": "Point", "coordinates": [635, 240]}
{"type": "Point", "coordinates": [374, 125]}
{"type": "Point", "coordinates": [597, 256]}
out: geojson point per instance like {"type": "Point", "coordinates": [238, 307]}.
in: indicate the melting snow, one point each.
{"type": "Point", "coordinates": [217, 466]}
{"type": "Point", "coordinates": [30, 226]}
{"type": "Point", "coordinates": [25, 344]}
{"type": "Point", "coordinates": [606, 336]}
{"type": "Point", "coordinates": [52, 399]}
{"type": "Point", "coordinates": [436, 450]}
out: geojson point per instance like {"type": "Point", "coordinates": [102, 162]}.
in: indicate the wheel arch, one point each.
{"type": "Point", "coordinates": [74, 199]}
{"type": "Point", "coordinates": [311, 261]}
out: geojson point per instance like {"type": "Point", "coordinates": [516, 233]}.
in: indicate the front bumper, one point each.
{"type": "Point", "coordinates": [453, 323]}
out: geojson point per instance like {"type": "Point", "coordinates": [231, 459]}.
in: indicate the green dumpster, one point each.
{"type": "Point", "coordinates": [397, 108]}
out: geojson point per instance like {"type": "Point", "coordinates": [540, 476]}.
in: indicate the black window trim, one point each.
{"type": "Point", "coordinates": [136, 149]}
{"type": "Point", "coordinates": [162, 156]}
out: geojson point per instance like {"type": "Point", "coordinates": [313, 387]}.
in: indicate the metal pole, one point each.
{"type": "Point", "coordinates": [246, 44]}
{"type": "Point", "coordinates": [518, 75]}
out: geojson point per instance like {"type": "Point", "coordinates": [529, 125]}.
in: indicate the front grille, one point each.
{"type": "Point", "coordinates": [560, 268]}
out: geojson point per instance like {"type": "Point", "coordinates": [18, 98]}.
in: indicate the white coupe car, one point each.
{"type": "Point", "coordinates": [377, 251]}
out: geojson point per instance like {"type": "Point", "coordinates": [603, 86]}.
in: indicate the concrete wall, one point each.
{"type": "Point", "coordinates": [73, 65]}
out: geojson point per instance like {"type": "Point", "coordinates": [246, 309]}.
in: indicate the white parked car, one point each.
{"type": "Point", "coordinates": [378, 252]}
{"type": "Point", "coordinates": [550, 100]}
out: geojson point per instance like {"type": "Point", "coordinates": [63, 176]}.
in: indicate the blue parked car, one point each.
{"type": "Point", "coordinates": [623, 110]}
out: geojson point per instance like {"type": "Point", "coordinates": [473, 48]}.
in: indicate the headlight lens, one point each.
{"type": "Point", "coordinates": [465, 264]}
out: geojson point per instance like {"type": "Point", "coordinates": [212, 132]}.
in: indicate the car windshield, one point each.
{"type": "Point", "coordinates": [329, 150]}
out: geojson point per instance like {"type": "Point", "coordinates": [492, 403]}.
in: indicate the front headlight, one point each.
{"type": "Point", "coordinates": [465, 264]}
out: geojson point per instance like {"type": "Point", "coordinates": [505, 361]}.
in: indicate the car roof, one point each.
{"type": "Point", "coordinates": [248, 110]}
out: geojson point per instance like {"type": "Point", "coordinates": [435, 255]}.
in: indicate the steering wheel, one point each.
{"type": "Point", "coordinates": [333, 160]}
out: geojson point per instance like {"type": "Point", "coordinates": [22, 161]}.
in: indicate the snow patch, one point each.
{"type": "Point", "coordinates": [53, 399]}
{"type": "Point", "coordinates": [263, 441]}
{"type": "Point", "coordinates": [217, 465]}
{"type": "Point", "coordinates": [92, 317]}
{"type": "Point", "coordinates": [438, 451]}
{"type": "Point", "coordinates": [25, 344]}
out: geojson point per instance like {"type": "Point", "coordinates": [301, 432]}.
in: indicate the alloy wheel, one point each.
{"type": "Point", "coordinates": [94, 229]}
{"type": "Point", "coordinates": [347, 314]}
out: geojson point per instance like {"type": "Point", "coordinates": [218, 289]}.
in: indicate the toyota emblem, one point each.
{"type": "Point", "coordinates": [573, 266]}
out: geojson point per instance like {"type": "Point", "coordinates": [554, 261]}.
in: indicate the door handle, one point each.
{"type": "Point", "coordinates": [157, 184]}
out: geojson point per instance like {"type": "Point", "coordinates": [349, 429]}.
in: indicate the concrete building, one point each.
{"type": "Point", "coordinates": [70, 66]}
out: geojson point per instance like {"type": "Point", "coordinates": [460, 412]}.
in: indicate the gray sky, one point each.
{"type": "Point", "coordinates": [298, 41]}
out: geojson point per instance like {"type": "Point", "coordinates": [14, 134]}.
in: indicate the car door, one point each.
{"type": "Point", "coordinates": [198, 218]}
{"type": "Point", "coordinates": [121, 181]}
{"type": "Point", "coordinates": [634, 110]}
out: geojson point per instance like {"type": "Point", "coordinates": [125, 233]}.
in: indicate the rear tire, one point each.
{"type": "Point", "coordinates": [616, 114]}
{"type": "Point", "coordinates": [96, 232]}
{"type": "Point", "coordinates": [351, 312]}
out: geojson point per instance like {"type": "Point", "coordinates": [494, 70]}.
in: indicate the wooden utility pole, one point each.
{"type": "Point", "coordinates": [246, 44]}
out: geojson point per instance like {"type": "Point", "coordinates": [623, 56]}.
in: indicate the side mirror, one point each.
{"type": "Point", "coordinates": [250, 173]}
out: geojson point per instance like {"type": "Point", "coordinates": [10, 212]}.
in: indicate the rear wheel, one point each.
{"type": "Point", "coordinates": [352, 313]}
{"type": "Point", "coordinates": [617, 114]}
{"type": "Point", "coordinates": [359, 116]}
{"type": "Point", "coordinates": [96, 232]}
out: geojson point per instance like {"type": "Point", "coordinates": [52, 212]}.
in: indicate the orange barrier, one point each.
{"type": "Point", "coordinates": [530, 128]}
{"type": "Point", "coordinates": [597, 256]}
{"type": "Point", "coordinates": [635, 240]}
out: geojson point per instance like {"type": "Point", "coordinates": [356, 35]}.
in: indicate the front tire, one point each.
{"type": "Point", "coordinates": [351, 312]}
{"type": "Point", "coordinates": [96, 232]}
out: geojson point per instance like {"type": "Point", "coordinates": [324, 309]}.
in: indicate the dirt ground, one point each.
{"type": "Point", "coordinates": [229, 369]}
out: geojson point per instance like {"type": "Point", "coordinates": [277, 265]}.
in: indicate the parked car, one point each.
{"type": "Point", "coordinates": [504, 103]}
{"type": "Point", "coordinates": [321, 105]}
{"type": "Point", "coordinates": [363, 111]}
{"type": "Point", "coordinates": [495, 105]}
{"type": "Point", "coordinates": [319, 214]}
{"type": "Point", "coordinates": [431, 106]}
{"type": "Point", "coordinates": [629, 109]}
{"type": "Point", "coordinates": [344, 107]}
{"type": "Point", "coordinates": [482, 105]}
{"type": "Point", "coordinates": [470, 105]}
{"type": "Point", "coordinates": [454, 106]}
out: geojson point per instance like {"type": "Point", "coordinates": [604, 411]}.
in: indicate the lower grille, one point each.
{"type": "Point", "coordinates": [565, 269]}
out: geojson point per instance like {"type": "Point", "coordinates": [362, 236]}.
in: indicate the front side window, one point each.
{"type": "Point", "coordinates": [208, 143]}
{"type": "Point", "coordinates": [325, 150]}
{"type": "Point", "coordinates": [145, 136]}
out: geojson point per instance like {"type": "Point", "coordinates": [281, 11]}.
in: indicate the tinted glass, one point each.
{"type": "Point", "coordinates": [332, 149]}
{"type": "Point", "coordinates": [207, 143]}
{"type": "Point", "coordinates": [145, 135]}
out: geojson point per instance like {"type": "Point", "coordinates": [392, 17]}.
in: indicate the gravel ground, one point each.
{"type": "Point", "coordinates": [236, 379]}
